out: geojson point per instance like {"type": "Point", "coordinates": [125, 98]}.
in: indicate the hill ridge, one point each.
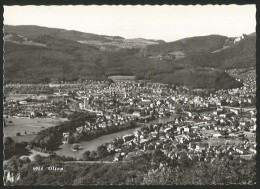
{"type": "Point", "coordinates": [64, 58]}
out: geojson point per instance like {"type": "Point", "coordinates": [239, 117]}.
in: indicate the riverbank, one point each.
{"type": "Point", "coordinates": [91, 145]}
{"type": "Point", "coordinates": [66, 149]}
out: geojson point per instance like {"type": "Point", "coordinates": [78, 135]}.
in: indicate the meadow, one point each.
{"type": "Point", "coordinates": [28, 127]}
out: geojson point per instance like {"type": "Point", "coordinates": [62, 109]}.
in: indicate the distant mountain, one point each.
{"type": "Point", "coordinates": [105, 43]}
{"type": "Point", "coordinates": [31, 31]}
{"type": "Point", "coordinates": [37, 54]}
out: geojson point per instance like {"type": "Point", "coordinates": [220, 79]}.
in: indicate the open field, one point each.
{"type": "Point", "coordinates": [20, 97]}
{"type": "Point", "coordinates": [30, 126]}
{"type": "Point", "coordinates": [121, 78]}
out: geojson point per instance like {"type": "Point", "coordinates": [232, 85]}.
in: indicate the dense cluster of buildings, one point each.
{"type": "Point", "coordinates": [201, 140]}
{"type": "Point", "coordinates": [207, 123]}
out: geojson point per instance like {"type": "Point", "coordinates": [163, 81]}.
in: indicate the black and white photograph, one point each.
{"type": "Point", "coordinates": [129, 95]}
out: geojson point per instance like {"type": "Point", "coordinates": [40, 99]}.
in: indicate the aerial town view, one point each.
{"type": "Point", "coordinates": [88, 109]}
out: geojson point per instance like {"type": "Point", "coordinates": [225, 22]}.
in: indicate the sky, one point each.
{"type": "Point", "coordinates": [165, 22]}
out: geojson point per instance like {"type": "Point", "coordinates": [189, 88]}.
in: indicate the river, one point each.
{"type": "Point", "coordinates": [66, 149]}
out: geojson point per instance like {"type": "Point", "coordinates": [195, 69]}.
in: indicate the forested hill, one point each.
{"type": "Point", "coordinates": [31, 31]}
{"type": "Point", "coordinates": [189, 46]}
{"type": "Point", "coordinates": [37, 54]}
{"type": "Point", "coordinates": [207, 51]}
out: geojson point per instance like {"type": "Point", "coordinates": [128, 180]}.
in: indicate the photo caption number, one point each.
{"type": "Point", "coordinates": [38, 168]}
